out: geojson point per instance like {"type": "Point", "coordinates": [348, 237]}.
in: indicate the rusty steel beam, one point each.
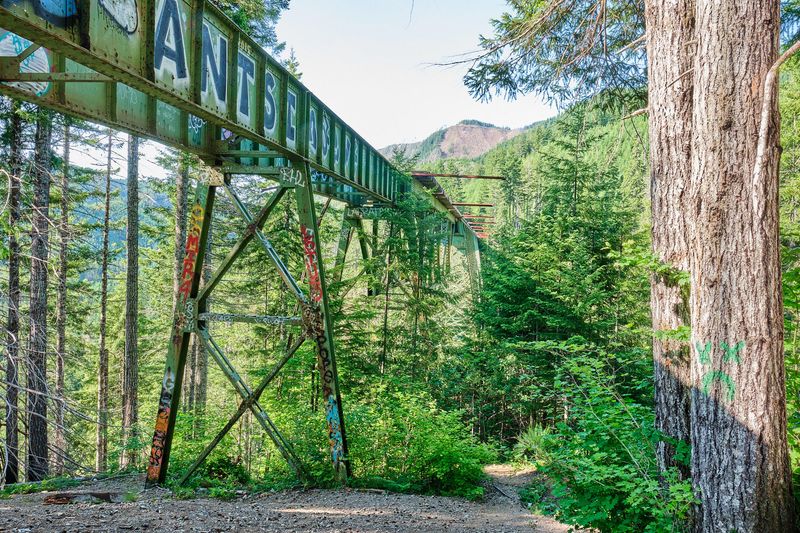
{"type": "Point", "coordinates": [421, 173]}
{"type": "Point", "coordinates": [183, 324]}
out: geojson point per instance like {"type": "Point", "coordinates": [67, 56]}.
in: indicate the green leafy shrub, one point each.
{"type": "Point", "coordinates": [531, 445]}
{"type": "Point", "coordinates": [404, 440]}
{"type": "Point", "coordinates": [52, 484]}
{"type": "Point", "coordinates": [224, 468]}
{"type": "Point", "coordinates": [602, 459]}
{"type": "Point", "coordinates": [218, 471]}
{"type": "Point", "coordinates": [538, 497]}
{"type": "Point", "coordinates": [183, 493]}
{"type": "Point", "coordinates": [222, 493]}
{"type": "Point", "coordinates": [398, 440]}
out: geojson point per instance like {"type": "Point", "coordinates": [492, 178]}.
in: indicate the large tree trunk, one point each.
{"type": "Point", "coordinates": [130, 365]}
{"type": "Point", "coordinates": [61, 315]}
{"type": "Point", "coordinates": [670, 28]}
{"type": "Point", "coordinates": [740, 463]}
{"type": "Point", "coordinates": [37, 464]}
{"type": "Point", "coordinates": [101, 457]}
{"type": "Point", "coordinates": [12, 325]}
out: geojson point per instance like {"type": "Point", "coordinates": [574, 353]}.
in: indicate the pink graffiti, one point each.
{"type": "Point", "coordinates": [312, 264]}
{"type": "Point", "coordinates": [192, 248]}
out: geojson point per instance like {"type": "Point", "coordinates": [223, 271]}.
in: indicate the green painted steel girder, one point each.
{"type": "Point", "coordinates": [182, 73]}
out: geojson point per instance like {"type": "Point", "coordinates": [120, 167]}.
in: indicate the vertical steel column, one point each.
{"type": "Point", "coordinates": [361, 233]}
{"type": "Point", "coordinates": [185, 317]}
{"type": "Point", "coordinates": [345, 236]}
{"type": "Point", "coordinates": [387, 294]}
{"type": "Point", "coordinates": [316, 315]}
{"type": "Point", "coordinates": [473, 262]}
{"type": "Point", "coordinates": [477, 250]}
{"type": "Point", "coordinates": [362, 240]}
{"type": "Point", "coordinates": [376, 288]}
{"type": "Point", "coordinates": [448, 247]}
{"type": "Point", "coordinates": [437, 273]}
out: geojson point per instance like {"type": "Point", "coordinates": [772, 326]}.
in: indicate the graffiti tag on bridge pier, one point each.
{"type": "Point", "coordinates": [162, 423]}
{"type": "Point", "coordinates": [312, 263]}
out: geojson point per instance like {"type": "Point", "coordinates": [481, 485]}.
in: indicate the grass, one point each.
{"type": "Point", "coordinates": [56, 483]}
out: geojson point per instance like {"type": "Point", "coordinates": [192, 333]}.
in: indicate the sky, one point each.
{"type": "Point", "coordinates": [370, 61]}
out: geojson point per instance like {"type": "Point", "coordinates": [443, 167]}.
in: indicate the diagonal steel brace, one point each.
{"type": "Point", "coordinates": [284, 273]}
{"type": "Point", "coordinates": [246, 394]}
{"type": "Point", "coordinates": [246, 404]}
{"type": "Point", "coordinates": [254, 225]}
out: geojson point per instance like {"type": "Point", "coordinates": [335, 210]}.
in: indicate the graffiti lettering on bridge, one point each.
{"type": "Point", "coordinates": [124, 14]}
{"type": "Point", "coordinates": [162, 422]}
{"type": "Point", "coordinates": [370, 212]}
{"type": "Point", "coordinates": [60, 13]}
{"type": "Point", "coordinates": [192, 249]}
{"type": "Point", "coordinates": [39, 61]}
{"type": "Point", "coordinates": [293, 177]}
{"type": "Point", "coordinates": [312, 264]}
{"type": "Point", "coordinates": [315, 329]}
{"type": "Point", "coordinates": [334, 430]}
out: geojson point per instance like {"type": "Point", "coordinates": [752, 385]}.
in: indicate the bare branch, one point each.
{"type": "Point", "coordinates": [636, 113]}
{"type": "Point", "coordinates": [767, 106]}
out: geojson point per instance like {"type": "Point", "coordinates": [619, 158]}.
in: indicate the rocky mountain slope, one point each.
{"type": "Point", "coordinates": [467, 139]}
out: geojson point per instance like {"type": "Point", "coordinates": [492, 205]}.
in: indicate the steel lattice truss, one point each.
{"type": "Point", "coordinates": [182, 73]}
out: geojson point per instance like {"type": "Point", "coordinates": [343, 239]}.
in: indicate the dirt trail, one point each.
{"type": "Point", "coordinates": [289, 511]}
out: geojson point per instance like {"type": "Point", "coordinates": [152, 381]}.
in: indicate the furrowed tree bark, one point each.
{"type": "Point", "coordinates": [130, 365]}
{"type": "Point", "coordinates": [670, 28]}
{"type": "Point", "coordinates": [37, 467]}
{"type": "Point", "coordinates": [61, 308]}
{"type": "Point", "coordinates": [740, 463]}
{"type": "Point", "coordinates": [12, 324]}
{"type": "Point", "coordinates": [101, 455]}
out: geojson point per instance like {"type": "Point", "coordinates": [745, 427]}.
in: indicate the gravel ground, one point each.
{"type": "Point", "coordinates": [289, 511]}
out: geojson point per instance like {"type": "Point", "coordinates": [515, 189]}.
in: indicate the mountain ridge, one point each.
{"type": "Point", "coordinates": [467, 139]}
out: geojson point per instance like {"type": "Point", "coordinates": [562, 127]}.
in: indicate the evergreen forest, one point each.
{"type": "Point", "coordinates": [636, 348]}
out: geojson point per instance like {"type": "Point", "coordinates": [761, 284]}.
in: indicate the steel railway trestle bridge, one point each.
{"type": "Point", "coordinates": [180, 72]}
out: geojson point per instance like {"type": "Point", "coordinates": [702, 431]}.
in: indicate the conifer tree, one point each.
{"type": "Point", "coordinates": [130, 364]}
{"type": "Point", "coordinates": [14, 139]}
{"type": "Point", "coordinates": [37, 467]}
